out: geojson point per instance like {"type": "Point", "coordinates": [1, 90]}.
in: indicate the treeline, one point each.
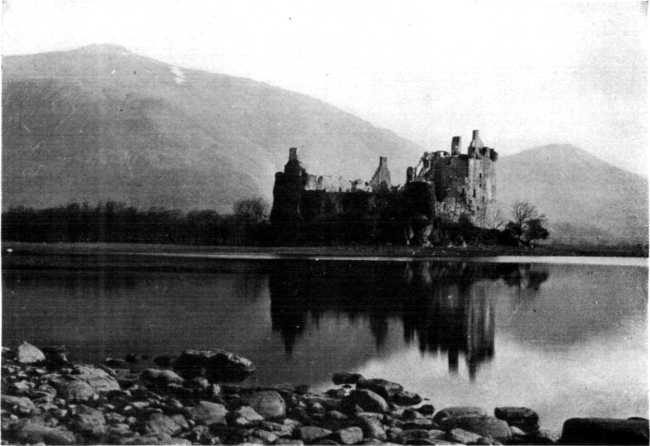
{"type": "Point", "coordinates": [116, 222]}
{"type": "Point", "coordinates": [248, 224]}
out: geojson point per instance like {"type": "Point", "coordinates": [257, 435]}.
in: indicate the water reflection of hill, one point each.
{"type": "Point", "coordinates": [444, 307]}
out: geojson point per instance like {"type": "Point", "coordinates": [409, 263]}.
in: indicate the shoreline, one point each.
{"type": "Point", "coordinates": [193, 398]}
{"type": "Point", "coordinates": [320, 252]}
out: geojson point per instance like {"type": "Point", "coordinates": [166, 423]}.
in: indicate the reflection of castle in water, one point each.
{"type": "Point", "coordinates": [444, 307]}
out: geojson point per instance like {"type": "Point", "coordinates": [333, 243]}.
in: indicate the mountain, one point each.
{"type": "Point", "coordinates": [102, 123]}
{"type": "Point", "coordinates": [584, 198]}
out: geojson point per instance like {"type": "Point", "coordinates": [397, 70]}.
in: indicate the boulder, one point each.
{"type": "Point", "coordinates": [372, 426]}
{"type": "Point", "coordinates": [200, 434]}
{"type": "Point", "coordinates": [161, 378]}
{"type": "Point", "coordinates": [346, 378]}
{"type": "Point", "coordinates": [419, 423]}
{"type": "Point", "coordinates": [605, 431]}
{"type": "Point", "coordinates": [367, 400]}
{"type": "Point", "coordinates": [181, 421]}
{"type": "Point", "coordinates": [386, 389]}
{"type": "Point", "coordinates": [208, 413]}
{"type": "Point", "coordinates": [284, 429]}
{"type": "Point", "coordinates": [163, 361]}
{"type": "Point", "coordinates": [18, 404]}
{"type": "Point", "coordinates": [522, 417]}
{"type": "Point", "coordinates": [217, 365]}
{"type": "Point", "coordinates": [244, 416]}
{"type": "Point", "coordinates": [457, 411]}
{"type": "Point", "coordinates": [404, 398]}
{"type": "Point", "coordinates": [35, 431]}
{"type": "Point", "coordinates": [116, 432]}
{"type": "Point", "coordinates": [421, 436]}
{"type": "Point", "coordinates": [349, 435]}
{"type": "Point", "coordinates": [20, 387]}
{"type": "Point", "coordinates": [89, 421]}
{"type": "Point", "coordinates": [426, 409]}
{"type": "Point", "coordinates": [462, 436]}
{"type": "Point", "coordinates": [268, 403]}
{"type": "Point", "coordinates": [29, 354]}
{"type": "Point", "coordinates": [313, 434]}
{"type": "Point", "coordinates": [56, 355]}
{"type": "Point", "coordinates": [484, 425]}
{"type": "Point", "coordinates": [199, 382]}
{"type": "Point", "coordinates": [97, 378]}
{"type": "Point", "coordinates": [160, 425]}
{"type": "Point", "coordinates": [76, 390]}
{"type": "Point", "coordinates": [44, 392]}
{"type": "Point", "coordinates": [264, 435]}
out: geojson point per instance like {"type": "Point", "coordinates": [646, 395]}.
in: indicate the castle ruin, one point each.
{"type": "Point", "coordinates": [444, 187]}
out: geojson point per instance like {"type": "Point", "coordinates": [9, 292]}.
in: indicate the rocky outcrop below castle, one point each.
{"type": "Point", "coordinates": [48, 399]}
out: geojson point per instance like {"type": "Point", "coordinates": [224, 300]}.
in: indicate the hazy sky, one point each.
{"type": "Point", "coordinates": [525, 73]}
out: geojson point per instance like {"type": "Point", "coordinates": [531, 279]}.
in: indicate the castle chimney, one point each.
{"type": "Point", "coordinates": [474, 134]}
{"type": "Point", "coordinates": [410, 174]}
{"type": "Point", "coordinates": [455, 145]}
{"type": "Point", "coordinates": [293, 154]}
{"type": "Point", "coordinates": [383, 161]}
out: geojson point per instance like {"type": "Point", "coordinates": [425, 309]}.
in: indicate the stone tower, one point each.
{"type": "Point", "coordinates": [465, 184]}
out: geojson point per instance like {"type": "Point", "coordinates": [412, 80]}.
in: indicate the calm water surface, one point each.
{"type": "Point", "coordinates": [564, 339]}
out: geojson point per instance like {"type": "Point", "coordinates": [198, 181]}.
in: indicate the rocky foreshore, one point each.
{"type": "Point", "coordinates": [185, 400]}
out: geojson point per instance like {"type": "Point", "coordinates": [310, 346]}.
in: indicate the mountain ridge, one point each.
{"type": "Point", "coordinates": [134, 115]}
{"type": "Point", "coordinates": [100, 122]}
{"type": "Point", "coordinates": [573, 187]}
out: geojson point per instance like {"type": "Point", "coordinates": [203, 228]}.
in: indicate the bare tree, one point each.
{"type": "Point", "coordinates": [522, 211]}
{"type": "Point", "coordinates": [527, 224]}
{"type": "Point", "coordinates": [251, 209]}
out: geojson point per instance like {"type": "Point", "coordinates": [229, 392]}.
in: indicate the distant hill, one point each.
{"type": "Point", "coordinates": [584, 198]}
{"type": "Point", "coordinates": [101, 123]}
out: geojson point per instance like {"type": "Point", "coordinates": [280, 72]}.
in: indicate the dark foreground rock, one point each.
{"type": "Point", "coordinates": [268, 403]}
{"type": "Point", "coordinates": [217, 365]}
{"type": "Point", "coordinates": [346, 378]}
{"type": "Point", "coordinates": [522, 417]}
{"type": "Point", "coordinates": [46, 399]}
{"type": "Point", "coordinates": [605, 431]}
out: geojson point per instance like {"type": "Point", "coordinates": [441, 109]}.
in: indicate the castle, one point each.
{"type": "Point", "coordinates": [444, 187]}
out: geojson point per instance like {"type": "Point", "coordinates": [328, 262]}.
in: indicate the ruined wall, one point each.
{"type": "Point", "coordinates": [381, 178]}
{"type": "Point", "coordinates": [444, 187]}
{"type": "Point", "coordinates": [317, 204]}
{"type": "Point", "coordinates": [328, 183]}
{"type": "Point", "coordinates": [302, 197]}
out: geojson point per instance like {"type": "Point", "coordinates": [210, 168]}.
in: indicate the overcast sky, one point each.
{"type": "Point", "coordinates": [525, 73]}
